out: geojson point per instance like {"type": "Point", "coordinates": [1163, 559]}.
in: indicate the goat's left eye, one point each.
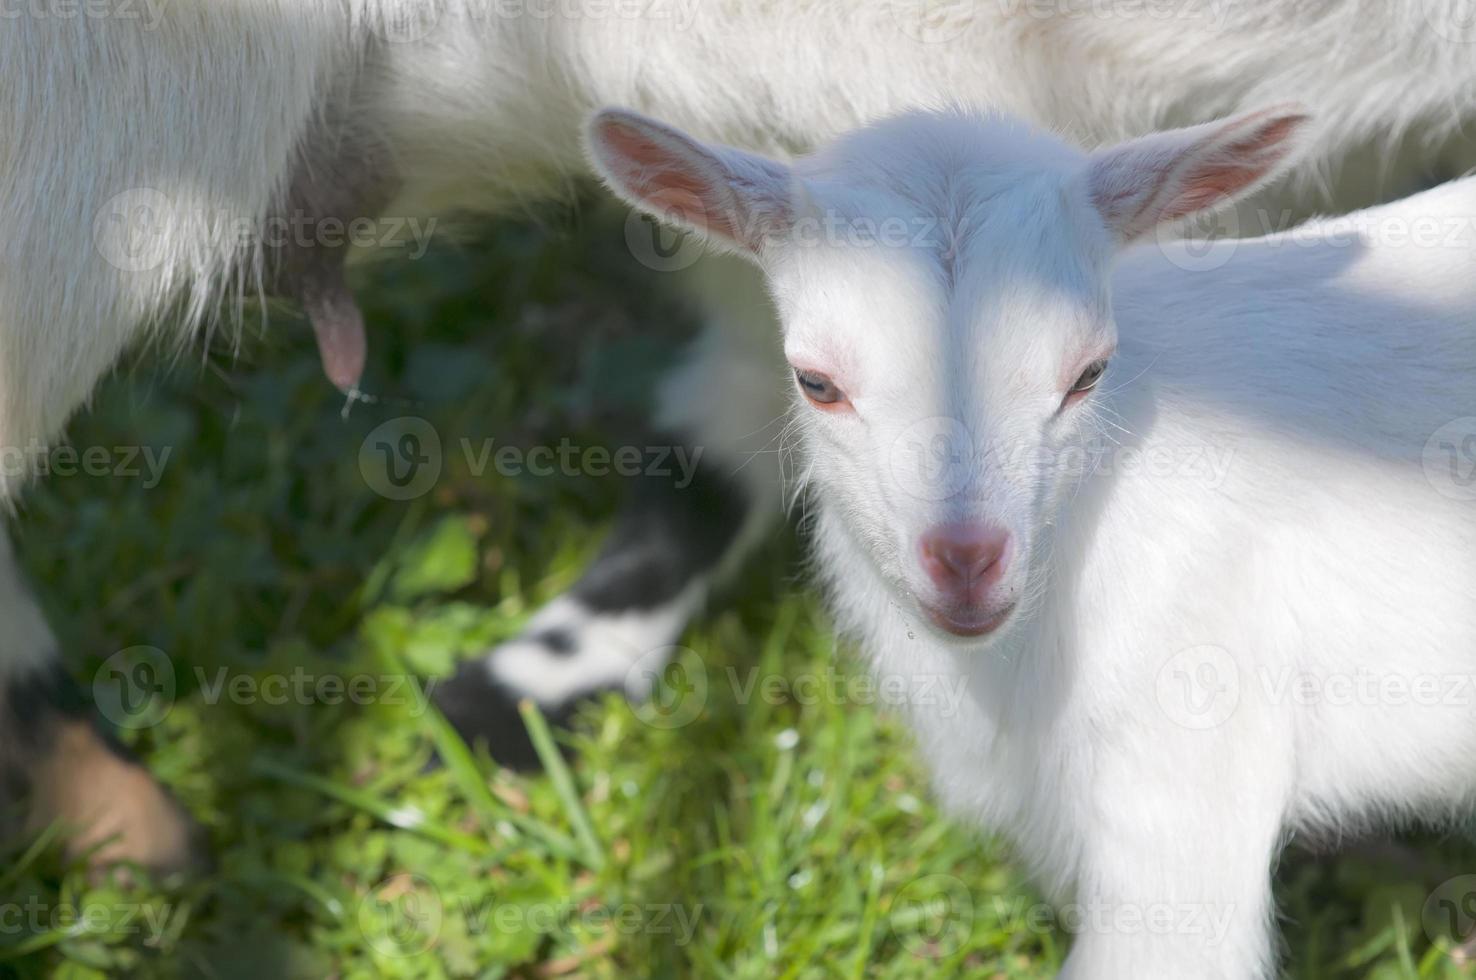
{"type": "Point", "coordinates": [1089, 378]}
{"type": "Point", "coordinates": [818, 387]}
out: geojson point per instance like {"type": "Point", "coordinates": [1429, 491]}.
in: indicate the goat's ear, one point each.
{"type": "Point", "coordinates": [1145, 183]}
{"type": "Point", "coordinates": [730, 197]}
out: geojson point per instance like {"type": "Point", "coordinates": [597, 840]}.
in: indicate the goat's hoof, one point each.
{"type": "Point", "coordinates": [484, 710]}
{"type": "Point", "coordinates": [113, 809]}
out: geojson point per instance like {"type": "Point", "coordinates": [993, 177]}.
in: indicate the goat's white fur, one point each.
{"type": "Point", "coordinates": [196, 114]}
{"type": "Point", "coordinates": [1322, 577]}
{"type": "Point", "coordinates": [204, 108]}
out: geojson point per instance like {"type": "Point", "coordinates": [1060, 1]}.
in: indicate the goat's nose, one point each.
{"type": "Point", "coordinates": [965, 559]}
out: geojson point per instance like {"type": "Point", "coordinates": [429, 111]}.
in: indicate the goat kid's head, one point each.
{"type": "Point", "coordinates": [943, 281]}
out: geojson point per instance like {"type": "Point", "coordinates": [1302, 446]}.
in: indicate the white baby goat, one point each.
{"type": "Point", "coordinates": [137, 140]}
{"type": "Point", "coordinates": [1170, 664]}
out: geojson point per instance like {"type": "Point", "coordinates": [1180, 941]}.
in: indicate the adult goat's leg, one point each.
{"type": "Point", "coordinates": [57, 764]}
{"type": "Point", "coordinates": [127, 191]}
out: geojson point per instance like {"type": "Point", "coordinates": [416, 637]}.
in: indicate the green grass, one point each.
{"type": "Point", "coordinates": [713, 833]}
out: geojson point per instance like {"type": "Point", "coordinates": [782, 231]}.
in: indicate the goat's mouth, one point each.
{"type": "Point", "coordinates": [965, 622]}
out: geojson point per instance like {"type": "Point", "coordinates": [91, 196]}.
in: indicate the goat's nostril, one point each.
{"type": "Point", "coordinates": [965, 556]}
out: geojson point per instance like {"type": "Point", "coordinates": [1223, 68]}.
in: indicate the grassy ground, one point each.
{"type": "Point", "coordinates": [742, 825]}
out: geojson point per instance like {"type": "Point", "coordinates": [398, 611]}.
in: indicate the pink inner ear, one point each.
{"type": "Point", "coordinates": [666, 179]}
{"type": "Point", "coordinates": [1170, 176]}
{"type": "Point", "coordinates": [1232, 169]}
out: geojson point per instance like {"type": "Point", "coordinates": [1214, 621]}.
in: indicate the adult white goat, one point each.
{"type": "Point", "coordinates": [1157, 652]}
{"type": "Point", "coordinates": [138, 141]}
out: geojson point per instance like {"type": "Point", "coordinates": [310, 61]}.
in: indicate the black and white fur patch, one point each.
{"type": "Point", "coordinates": [670, 546]}
{"type": "Point", "coordinates": [651, 577]}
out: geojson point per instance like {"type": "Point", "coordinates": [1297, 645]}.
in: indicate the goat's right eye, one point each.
{"type": "Point", "coordinates": [818, 387]}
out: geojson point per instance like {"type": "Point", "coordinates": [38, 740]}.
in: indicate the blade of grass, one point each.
{"type": "Point", "coordinates": [563, 783]}
{"type": "Point", "coordinates": [43, 840]}
{"type": "Point", "coordinates": [404, 818]}
{"type": "Point", "coordinates": [38, 942]}
{"type": "Point", "coordinates": [869, 920]}
{"type": "Point", "coordinates": [327, 901]}
{"type": "Point", "coordinates": [462, 765]}
{"type": "Point", "coordinates": [374, 584]}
